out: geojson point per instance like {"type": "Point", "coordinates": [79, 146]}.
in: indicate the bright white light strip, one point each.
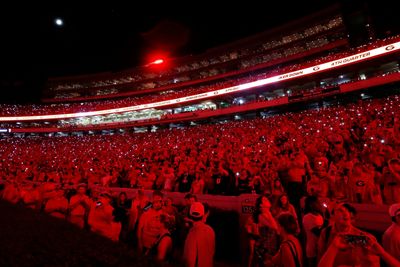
{"type": "Point", "coordinates": [286, 76]}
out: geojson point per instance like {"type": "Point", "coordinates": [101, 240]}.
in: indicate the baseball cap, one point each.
{"type": "Point", "coordinates": [196, 210]}
{"type": "Point", "coordinates": [394, 209]}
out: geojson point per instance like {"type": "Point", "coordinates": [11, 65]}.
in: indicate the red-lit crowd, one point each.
{"type": "Point", "coordinates": [325, 235]}
{"type": "Point", "coordinates": [335, 154]}
{"type": "Point", "coordinates": [347, 151]}
{"type": "Point", "coordinates": [153, 225]}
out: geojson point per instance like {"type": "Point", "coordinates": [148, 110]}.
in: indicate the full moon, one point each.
{"type": "Point", "coordinates": [59, 22]}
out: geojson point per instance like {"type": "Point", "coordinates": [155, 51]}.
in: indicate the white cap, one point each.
{"type": "Point", "coordinates": [196, 210]}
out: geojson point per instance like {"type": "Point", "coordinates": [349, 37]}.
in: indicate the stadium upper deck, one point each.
{"type": "Point", "coordinates": [320, 32]}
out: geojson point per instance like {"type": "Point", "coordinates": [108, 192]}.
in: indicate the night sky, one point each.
{"type": "Point", "coordinates": [118, 35]}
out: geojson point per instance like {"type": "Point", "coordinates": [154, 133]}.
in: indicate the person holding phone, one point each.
{"type": "Point", "coordinates": [356, 254]}
{"type": "Point", "coordinates": [345, 242]}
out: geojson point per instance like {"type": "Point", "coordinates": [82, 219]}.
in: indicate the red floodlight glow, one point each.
{"type": "Point", "coordinates": [158, 61]}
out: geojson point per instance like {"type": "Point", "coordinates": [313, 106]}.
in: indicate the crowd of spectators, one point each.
{"type": "Point", "coordinates": [336, 144]}
{"type": "Point", "coordinates": [306, 166]}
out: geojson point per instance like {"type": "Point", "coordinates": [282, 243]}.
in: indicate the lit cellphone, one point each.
{"type": "Point", "coordinates": [360, 240]}
{"type": "Point", "coordinates": [148, 206]}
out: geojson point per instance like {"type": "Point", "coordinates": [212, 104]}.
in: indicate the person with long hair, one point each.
{"type": "Point", "coordinates": [290, 253]}
{"type": "Point", "coordinates": [283, 206]}
{"type": "Point", "coordinates": [263, 233]}
{"type": "Point", "coordinates": [277, 190]}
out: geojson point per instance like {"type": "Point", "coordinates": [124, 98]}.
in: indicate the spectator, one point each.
{"type": "Point", "coordinates": [312, 224]}
{"type": "Point", "coordinates": [277, 190]}
{"type": "Point", "coordinates": [189, 200]}
{"type": "Point", "coordinates": [169, 208]}
{"type": "Point", "coordinates": [101, 218]}
{"type": "Point", "coordinates": [184, 182]}
{"type": "Point", "coordinates": [197, 184]}
{"type": "Point", "coordinates": [263, 233]}
{"type": "Point", "coordinates": [339, 244]}
{"type": "Point", "coordinates": [297, 170]}
{"type": "Point", "coordinates": [11, 192]}
{"type": "Point", "coordinates": [162, 248]}
{"type": "Point", "coordinates": [31, 196]}
{"type": "Point", "coordinates": [137, 207]}
{"type": "Point", "coordinates": [183, 220]}
{"type": "Point", "coordinates": [283, 206]}
{"type": "Point", "coordinates": [57, 204]}
{"type": "Point", "coordinates": [391, 237]}
{"type": "Point", "coordinates": [361, 184]}
{"type": "Point", "coordinates": [391, 175]}
{"type": "Point", "coordinates": [79, 207]}
{"type": "Point", "coordinates": [149, 227]}
{"type": "Point", "coordinates": [290, 253]}
{"type": "Point", "coordinates": [200, 242]}
{"type": "Point", "coordinates": [121, 214]}
{"type": "Point", "coordinates": [343, 215]}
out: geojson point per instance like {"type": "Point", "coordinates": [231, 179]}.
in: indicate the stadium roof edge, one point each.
{"type": "Point", "coordinates": [212, 51]}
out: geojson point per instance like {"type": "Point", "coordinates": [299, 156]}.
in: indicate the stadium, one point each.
{"type": "Point", "coordinates": [278, 149]}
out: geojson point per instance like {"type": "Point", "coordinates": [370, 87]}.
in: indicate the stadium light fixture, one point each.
{"type": "Point", "coordinates": [158, 61]}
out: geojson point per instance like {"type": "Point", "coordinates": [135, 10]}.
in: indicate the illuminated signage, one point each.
{"type": "Point", "coordinates": [282, 77]}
